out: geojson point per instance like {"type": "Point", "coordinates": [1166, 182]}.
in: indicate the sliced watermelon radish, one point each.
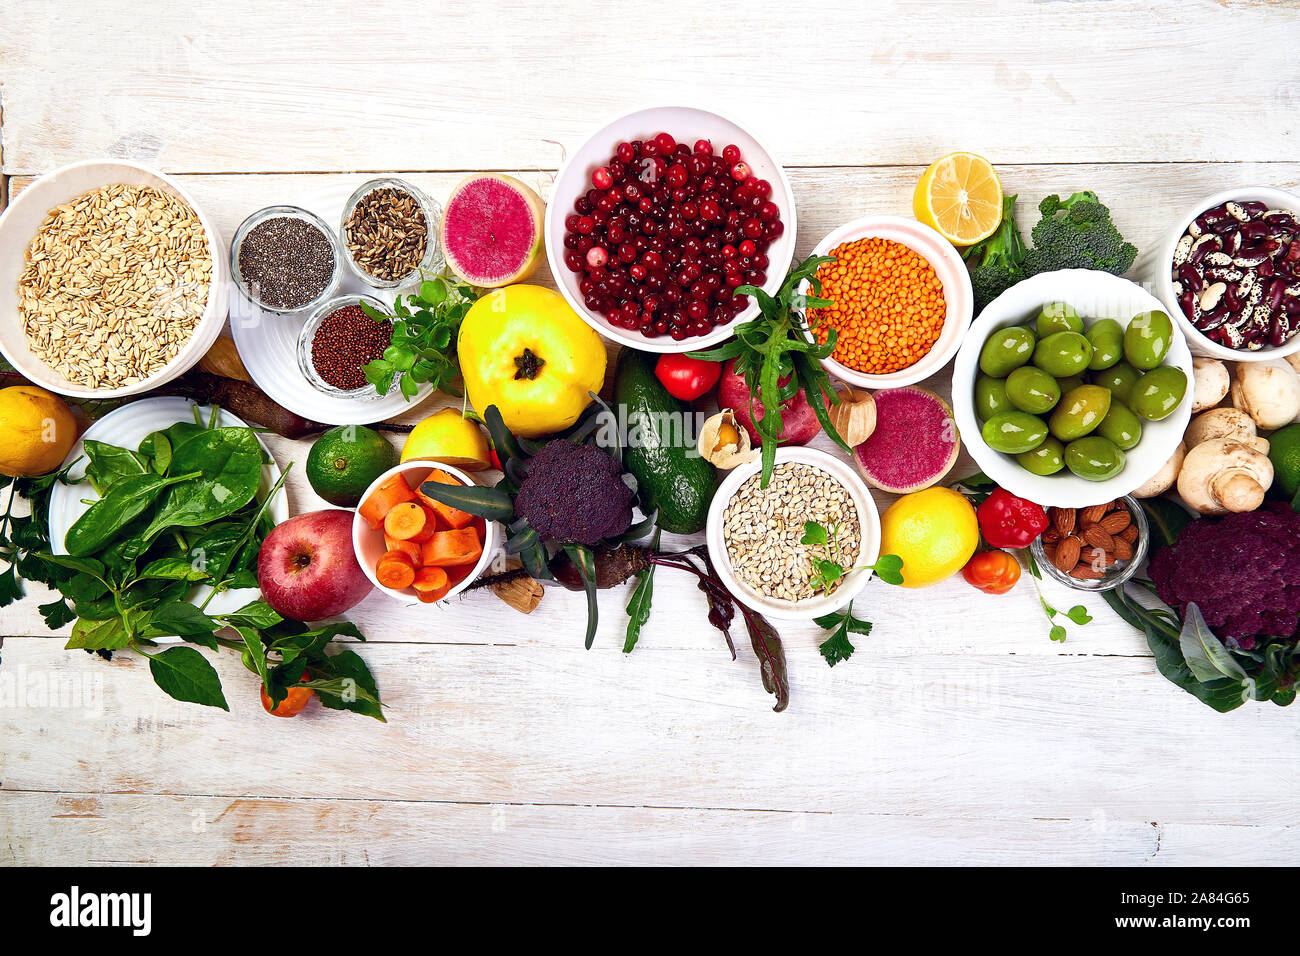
{"type": "Point", "coordinates": [915, 442]}
{"type": "Point", "coordinates": [491, 230]}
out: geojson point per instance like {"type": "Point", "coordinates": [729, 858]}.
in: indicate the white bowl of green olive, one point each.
{"type": "Point", "coordinates": [1093, 438]}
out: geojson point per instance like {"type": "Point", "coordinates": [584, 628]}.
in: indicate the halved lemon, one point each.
{"type": "Point", "coordinates": [449, 438]}
{"type": "Point", "coordinates": [960, 196]}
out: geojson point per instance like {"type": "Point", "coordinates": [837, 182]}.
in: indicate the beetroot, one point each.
{"type": "Point", "coordinates": [799, 424]}
{"type": "Point", "coordinates": [915, 442]}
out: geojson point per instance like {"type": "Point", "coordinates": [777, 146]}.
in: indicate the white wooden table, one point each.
{"type": "Point", "coordinates": [957, 734]}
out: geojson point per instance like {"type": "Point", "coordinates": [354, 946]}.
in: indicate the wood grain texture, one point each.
{"type": "Point", "coordinates": [958, 733]}
{"type": "Point", "coordinates": [243, 85]}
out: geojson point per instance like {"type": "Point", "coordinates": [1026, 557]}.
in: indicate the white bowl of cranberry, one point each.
{"type": "Point", "coordinates": [657, 217]}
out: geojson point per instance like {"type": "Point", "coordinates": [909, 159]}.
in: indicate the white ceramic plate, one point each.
{"type": "Point", "coordinates": [268, 343]}
{"type": "Point", "coordinates": [1095, 295]}
{"type": "Point", "coordinates": [127, 427]}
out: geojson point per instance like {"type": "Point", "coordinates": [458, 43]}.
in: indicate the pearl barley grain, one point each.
{"type": "Point", "coordinates": [762, 529]}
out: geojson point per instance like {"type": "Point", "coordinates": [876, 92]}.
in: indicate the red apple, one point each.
{"type": "Point", "coordinates": [799, 423]}
{"type": "Point", "coordinates": [307, 569]}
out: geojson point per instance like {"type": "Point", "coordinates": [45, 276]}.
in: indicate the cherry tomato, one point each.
{"type": "Point", "coordinates": [292, 705]}
{"type": "Point", "coordinates": [687, 378]}
{"type": "Point", "coordinates": [993, 572]}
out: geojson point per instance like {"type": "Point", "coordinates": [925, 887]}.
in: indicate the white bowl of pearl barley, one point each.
{"type": "Point", "coordinates": [112, 280]}
{"type": "Point", "coordinates": [754, 534]}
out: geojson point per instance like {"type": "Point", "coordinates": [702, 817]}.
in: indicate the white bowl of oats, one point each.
{"type": "Point", "coordinates": [756, 535]}
{"type": "Point", "coordinates": [112, 280]}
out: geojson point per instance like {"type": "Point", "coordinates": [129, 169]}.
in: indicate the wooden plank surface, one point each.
{"type": "Point", "coordinates": [958, 733]}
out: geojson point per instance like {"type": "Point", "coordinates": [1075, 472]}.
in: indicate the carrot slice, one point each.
{"type": "Point", "coordinates": [431, 584]}
{"type": "Point", "coordinates": [383, 499]}
{"type": "Point", "coordinates": [396, 570]}
{"type": "Point", "coordinates": [452, 548]}
{"type": "Point", "coordinates": [452, 517]}
{"type": "Point", "coordinates": [409, 521]}
{"type": "Point", "coordinates": [406, 547]}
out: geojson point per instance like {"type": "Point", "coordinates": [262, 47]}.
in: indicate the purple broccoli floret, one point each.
{"type": "Point", "coordinates": [1242, 571]}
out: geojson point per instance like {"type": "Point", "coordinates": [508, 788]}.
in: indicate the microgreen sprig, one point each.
{"type": "Point", "coordinates": [778, 357]}
{"type": "Point", "coordinates": [1077, 614]}
{"type": "Point", "coordinates": [423, 347]}
{"type": "Point", "coordinates": [830, 571]}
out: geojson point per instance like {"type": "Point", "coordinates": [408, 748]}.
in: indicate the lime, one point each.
{"type": "Point", "coordinates": [344, 462]}
{"type": "Point", "coordinates": [1284, 453]}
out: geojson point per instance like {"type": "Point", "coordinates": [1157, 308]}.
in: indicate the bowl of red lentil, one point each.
{"type": "Point", "coordinates": [902, 302]}
{"type": "Point", "coordinates": [336, 343]}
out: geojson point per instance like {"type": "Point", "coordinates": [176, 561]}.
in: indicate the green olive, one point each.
{"type": "Point", "coordinates": [990, 397]}
{"type": "Point", "coordinates": [1119, 379]}
{"type": "Point", "coordinates": [1079, 412]}
{"type": "Point", "coordinates": [1005, 350]}
{"type": "Point", "coordinates": [1014, 432]}
{"type": "Point", "coordinates": [1094, 458]}
{"type": "Point", "coordinates": [1147, 340]}
{"type": "Point", "coordinates": [1159, 392]}
{"type": "Point", "coordinates": [1106, 336]}
{"type": "Point", "coordinates": [1071, 383]}
{"type": "Point", "coordinates": [1121, 426]}
{"type": "Point", "coordinates": [1030, 389]}
{"type": "Point", "coordinates": [1063, 354]}
{"type": "Point", "coordinates": [1046, 459]}
{"type": "Point", "coordinates": [1058, 317]}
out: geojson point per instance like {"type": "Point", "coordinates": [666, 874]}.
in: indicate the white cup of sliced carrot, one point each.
{"type": "Point", "coordinates": [414, 548]}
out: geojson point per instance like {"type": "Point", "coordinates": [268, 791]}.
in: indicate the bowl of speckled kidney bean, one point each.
{"type": "Point", "coordinates": [286, 260]}
{"type": "Point", "coordinates": [336, 343]}
{"type": "Point", "coordinates": [1229, 274]}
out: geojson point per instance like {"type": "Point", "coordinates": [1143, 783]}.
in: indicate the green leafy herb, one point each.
{"type": "Point", "coordinates": [829, 571]}
{"type": "Point", "coordinates": [638, 606]}
{"type": "Point", "coordinates": [1077, 614]}
{"type": "Point", "coordinates": [841, 624]}
{"type": "Point", "coordinates": [778, 357]}
{"type": "Point", "coordinates": [423, 347]}
{"type": "Point", "coordinates": [181, 510]}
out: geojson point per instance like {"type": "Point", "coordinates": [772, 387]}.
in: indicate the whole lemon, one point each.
{"type": "Point", "coordinates": [38, 431]}
{"type": "Point", "coordinates": [448, 437]}
{"type": "Point", "coordinates": [525, 351]}
{"type": "Point", "coordinates": [934, 531]}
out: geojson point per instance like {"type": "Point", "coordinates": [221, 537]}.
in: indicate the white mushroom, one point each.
{"type": "Point", "coordinates": [1269, 392]}
{"type": "Point", "coordinates": [1223, 475]}
{"type": "Point", "coordinates": [1163, 479]}
{"type": "Point", "coordinates": [1219, 423]}
{"type": "Point", "coordinates": [1210, 383]}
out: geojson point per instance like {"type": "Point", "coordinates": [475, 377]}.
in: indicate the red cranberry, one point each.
{"type": "Point", "coordinates": [676, 175]}
{"type": "Point", "coordinates": [601, 178]}
{"type": "Point", "coordinates": [774, 229]}
{"type": "Point", "coordinates": [666, 143]}
{"type": "Point", "coordinates": [768, 212]}
{"type": "Point", "coordinates": [585, 225]}
{"type": "Point", "coordinates": [731, 154]}
{"type": "Point", "coordinates": [703, 147]}
{"type": "Point", "coordinates": [740, 172]}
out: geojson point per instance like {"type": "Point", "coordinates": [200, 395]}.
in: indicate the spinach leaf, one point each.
{"type": "Point", "coordinates": [109, 464]}
{"type": "Point", "coordinates": [125, 501]}
{"type": "Point", "coordinates": [229, 464]}
{"type": "Point", "coordinates": [186, 675]}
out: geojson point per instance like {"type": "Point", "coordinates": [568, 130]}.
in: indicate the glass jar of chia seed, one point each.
{"type": "Point", "coordinates": [286, 260]}
{"type": "Point", "coordinates": [337, 341]}
{"type": "Point", "coordinates": [389, 233]}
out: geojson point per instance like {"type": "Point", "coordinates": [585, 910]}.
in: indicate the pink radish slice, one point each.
{"type": "Point", "coordinates": [915, 442]}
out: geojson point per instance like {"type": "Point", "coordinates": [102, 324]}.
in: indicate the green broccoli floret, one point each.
{"type": "Point", "coordinates": [1077, 233]}
{"type": "Point", "coordinates": [997, 263]}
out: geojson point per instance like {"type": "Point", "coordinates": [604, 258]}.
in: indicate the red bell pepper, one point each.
{"type": "Point", "coordinates": [1010, 522]}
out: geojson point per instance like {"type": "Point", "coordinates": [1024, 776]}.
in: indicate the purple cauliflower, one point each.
{"type": "Point", "coordinates": [575, 494]}
{"type": "Point", "coordinates": [1242, 571]}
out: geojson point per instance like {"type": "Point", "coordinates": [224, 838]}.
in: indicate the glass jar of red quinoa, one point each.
{"type": "Point", "coordinates": [338, 341]}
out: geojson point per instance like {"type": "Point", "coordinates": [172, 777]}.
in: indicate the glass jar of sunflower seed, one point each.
{"type": "Point", "coordinates": [389, 233]}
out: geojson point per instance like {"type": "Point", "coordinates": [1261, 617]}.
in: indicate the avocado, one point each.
{"type": "Point", "coordinates": [660, 451]}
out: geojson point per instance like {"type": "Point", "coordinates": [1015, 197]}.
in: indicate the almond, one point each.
{"type": "Point", "coordinates": [1051, 536]}
{"type": "Point", "coordinates": [1095, 536]}
{"type": "Point", "coordinates": [1123, 550]}
{"type": "Point", "coordinates": [1092, 514]}
{"type": "Point", "coordinates": [1066, 555]}
{"type": "Point", "coordinates": [1085, 571]}
{"type": "Point", "coordinates": [1063, 518]}
{"type": "Point", "coordinates": [1130, 533]}
{"type": "Point", "coordinates": [1095, 558]}
{"type": "Point", "coordinates": [1115, 522]}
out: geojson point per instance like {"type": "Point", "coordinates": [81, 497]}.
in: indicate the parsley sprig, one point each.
{"type": "Point", "coordinates": [841, 624]}
{"type": "Point", "coordinates": [828, 572]}
{"type": "Point", "coordinates": [779, 357]}
{"type": "Point", "coordinates": [423, 349]}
